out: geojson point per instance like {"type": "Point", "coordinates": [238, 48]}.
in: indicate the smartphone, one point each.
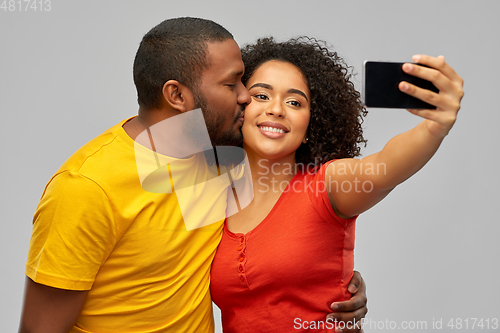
{"type": "Point", "coordinates": [380, 86]}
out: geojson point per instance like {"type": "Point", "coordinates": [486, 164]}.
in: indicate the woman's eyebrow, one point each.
{"type": "Point", "coordinates": [262, 85]}
{"type": "Point", "coordinates": [296, 91]}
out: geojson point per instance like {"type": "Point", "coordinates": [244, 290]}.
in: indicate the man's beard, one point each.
{"type": "Point", "coordinates": [226, 156]}
{"type": "Point", "coordinates": [215, 124]}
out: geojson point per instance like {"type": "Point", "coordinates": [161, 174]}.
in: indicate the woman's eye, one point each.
{"type": "Point", "coordinates": [260, 96]}
{"type": "Point", "coordinates": [294, 103]}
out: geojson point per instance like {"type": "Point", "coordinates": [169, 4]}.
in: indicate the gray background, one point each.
{"type": "Point", "coordinates": [428, 251]}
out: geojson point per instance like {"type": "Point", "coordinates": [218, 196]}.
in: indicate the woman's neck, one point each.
{"type": "Point", "coordinates": [271, 175]}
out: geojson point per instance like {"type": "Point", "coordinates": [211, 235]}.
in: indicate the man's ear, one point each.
{"type": "Point", "coordinates": [178, 96]}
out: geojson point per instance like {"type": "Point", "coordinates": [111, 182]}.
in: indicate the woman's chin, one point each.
{"type": "Point", "coordinates": [269, 152]}
{"type": "Point", "coordinates": [276, 155]}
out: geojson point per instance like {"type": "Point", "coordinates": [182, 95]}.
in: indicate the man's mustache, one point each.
{"type": "Point", "coordinates": [242, 113]}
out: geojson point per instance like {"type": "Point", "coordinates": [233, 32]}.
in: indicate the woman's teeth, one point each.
{"type": "Point", "coordinates": [272, 129]}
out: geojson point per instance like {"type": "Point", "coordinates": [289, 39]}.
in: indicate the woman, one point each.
{"type": "Point", "coordinates": [284, 255]}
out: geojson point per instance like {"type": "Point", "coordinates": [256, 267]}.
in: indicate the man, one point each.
{"type": "Point", "coordinates": [107, 255]}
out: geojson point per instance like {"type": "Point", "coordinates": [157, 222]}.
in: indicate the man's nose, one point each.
{"type": "Point", "coordinates": [244, 97]}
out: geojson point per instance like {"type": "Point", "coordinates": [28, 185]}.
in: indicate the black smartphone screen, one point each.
{"type": "Point", "coordinates": [380, 89]}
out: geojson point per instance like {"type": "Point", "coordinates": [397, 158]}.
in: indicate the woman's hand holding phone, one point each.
{"type": "Point", "coordinates": [447, 100]}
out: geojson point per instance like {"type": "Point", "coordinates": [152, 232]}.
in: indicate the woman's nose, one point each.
{"type": "Point", "coordinates": [276, 109]}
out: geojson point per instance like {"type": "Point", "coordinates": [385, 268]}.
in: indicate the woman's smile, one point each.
{"type": "Point", "coordinates": [273, 130]}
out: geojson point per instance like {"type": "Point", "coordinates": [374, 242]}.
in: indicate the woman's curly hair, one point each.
{"type": "Point", "coordinates": [336, 109]}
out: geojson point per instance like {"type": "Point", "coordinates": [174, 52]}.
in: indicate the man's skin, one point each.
{"type": "Point", "coordinates": [51, 310]}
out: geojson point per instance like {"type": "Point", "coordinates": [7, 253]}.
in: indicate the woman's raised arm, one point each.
{"type": "Point", "coordinates": [355, 185]}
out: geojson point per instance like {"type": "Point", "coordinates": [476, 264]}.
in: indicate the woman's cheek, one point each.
{"type": "Point", "coordinates": [244, 130]}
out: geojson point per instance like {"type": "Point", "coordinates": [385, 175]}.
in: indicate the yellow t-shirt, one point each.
{"type": "Point", "coordinates": [97, 229]}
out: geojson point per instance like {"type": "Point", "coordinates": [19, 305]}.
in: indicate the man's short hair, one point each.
{"type": "Point", "coordinates": [176, 49]}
